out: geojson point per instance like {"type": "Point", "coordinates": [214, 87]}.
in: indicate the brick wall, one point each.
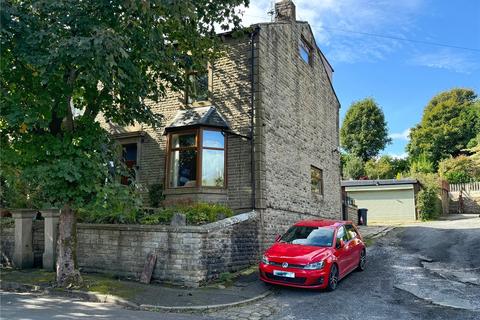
{"type": "Point", "coordinates": [297, 124]}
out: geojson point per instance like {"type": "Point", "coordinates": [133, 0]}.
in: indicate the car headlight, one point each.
{"type": "Point", "coordinates": [315, 265]}
{"type": "Point", "coordinates": [265, 260]}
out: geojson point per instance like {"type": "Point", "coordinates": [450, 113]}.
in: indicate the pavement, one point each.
{"type": "Point", "coordinates": [244, 288]}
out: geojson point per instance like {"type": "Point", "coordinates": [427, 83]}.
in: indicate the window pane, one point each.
{"type": "Point", "coordinates": [183, 140]}
{"type": "Point", "coordinates": [304, 53]}
{"type": "Point", "coordinates": [183, 168]}
{"type": "Point", "coordinates": [213, 139]}
{"type": "Point", "coordinates": [198, 87]}
{"type": "Point", "coordinates": [213, 170]}
{"type": "Point", "coordinates": [316, 180]}
{"type": "Point", "coordinates": [130, 152]}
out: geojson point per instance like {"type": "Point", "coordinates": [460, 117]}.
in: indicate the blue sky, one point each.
{"type": "Point", "coordinates": [401, 76]}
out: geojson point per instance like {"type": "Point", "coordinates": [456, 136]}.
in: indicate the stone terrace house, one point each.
{"type": "Point", "coordinates": [258, 131]}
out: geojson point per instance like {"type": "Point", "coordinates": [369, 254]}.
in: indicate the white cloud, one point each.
{"type": "Point", "coordinates": [330, 19]}
{"type": "Point", "coordinates": [398, 156]}
{"type": "Point", "coordinates": [461, 62]}
{"type": "Point", "coordinates": [404, 135]}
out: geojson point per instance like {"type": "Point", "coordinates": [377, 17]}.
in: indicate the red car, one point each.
{"type": "Point", "coordinates": [314, 254]}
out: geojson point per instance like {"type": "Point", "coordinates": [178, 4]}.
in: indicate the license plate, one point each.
{"type": "Point", "coordinates": [285, 274]}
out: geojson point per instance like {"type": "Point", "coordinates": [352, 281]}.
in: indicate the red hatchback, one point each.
{"type": "Point", "coordinates": [314, 254]}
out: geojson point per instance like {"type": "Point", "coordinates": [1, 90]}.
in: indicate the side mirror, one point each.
{"type": "Point", "coordinates": [340, 244]}
{"type": "Point", "coordinates": [278, 237]}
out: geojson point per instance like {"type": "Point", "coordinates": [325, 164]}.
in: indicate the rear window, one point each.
{"type": "Point", "coordinates": [309, 236]}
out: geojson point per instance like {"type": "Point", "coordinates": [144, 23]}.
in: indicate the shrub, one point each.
{"type": "Point", "coordinates": [155, 194]}
{"type": "Point", "coordinates": [429, 204]}
{"type": "Point", "coordinates": [198, 213]}
{"type": "Point", "coordinates": [427, 200]}
{"type": "Point", "coordinates": [113, 203]}
{"type": "Point", "coordinates": [461, 169]}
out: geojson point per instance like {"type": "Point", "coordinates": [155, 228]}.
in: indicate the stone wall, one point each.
{"type": "Point", "coordinates": [7, 242]}
{"type": "Point", "coordinates": [297, 127]}
{"type": "Point", "coordinates": [188, 256]}
{"type": "Point", "coordinates": [471, 202]}
{"type": "Point", "coordinates": [352, 213]}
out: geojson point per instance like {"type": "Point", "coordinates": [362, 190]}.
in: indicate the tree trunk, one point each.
{"type": "Point", "coordinates": [67, 274]}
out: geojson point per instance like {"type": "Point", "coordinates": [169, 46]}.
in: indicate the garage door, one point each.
{"type": "Point", "coordinates": [386, 206]}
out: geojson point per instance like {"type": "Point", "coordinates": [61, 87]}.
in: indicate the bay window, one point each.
{"type": "Point", "coordinates": [196, 158]}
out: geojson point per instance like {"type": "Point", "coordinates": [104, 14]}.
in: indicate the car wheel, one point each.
{"type": "Point", "coordinates": [333, 278]}
{"type": "Point", "coordinates": [363, 261]}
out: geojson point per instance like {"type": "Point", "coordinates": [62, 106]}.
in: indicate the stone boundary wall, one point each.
{"type": "Point", "coordinates": [471, 201]}
{"type": "Point", "coordinates": [352, 213]}
{"type": "Point", "coordinates": [7, 243]}
{"type": "Point", "coordinates": [189, 255]}
{"type": "Point", "coordinates": [186, 255]}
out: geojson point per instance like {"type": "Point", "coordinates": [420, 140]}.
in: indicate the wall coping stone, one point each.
{"type": "Point", "coordinates": [206, 228]}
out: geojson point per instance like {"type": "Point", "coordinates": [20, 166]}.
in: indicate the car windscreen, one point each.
{"type": "Point", "coordinates": [309, 236]}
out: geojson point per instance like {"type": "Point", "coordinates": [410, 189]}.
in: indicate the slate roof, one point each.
{"type": "Point", "coordinates": [202, 116]}
{"type": "Point", "coordinates": [386, 182]}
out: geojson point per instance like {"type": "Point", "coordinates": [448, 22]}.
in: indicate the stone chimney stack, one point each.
{"type": "Point", "coordinates": [285, 11]}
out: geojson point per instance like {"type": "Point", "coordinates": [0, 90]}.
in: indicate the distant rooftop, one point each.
{"type": "Point", "coordinates": [384, 182]}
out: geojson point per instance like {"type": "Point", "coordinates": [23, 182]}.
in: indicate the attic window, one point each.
{"type": "Point", "coordinates": [305, 50]}
{"type": "Point", "coordinates": [198, 87]}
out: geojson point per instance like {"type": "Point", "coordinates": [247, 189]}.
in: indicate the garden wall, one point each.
{"type": "Point", "coordinates": [186, 255]}
{"type": "Point", "coordinates": [7, 243]}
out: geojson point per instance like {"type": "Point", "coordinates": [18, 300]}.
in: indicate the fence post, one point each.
{"type": "Point", "coordinates": [23, 250]}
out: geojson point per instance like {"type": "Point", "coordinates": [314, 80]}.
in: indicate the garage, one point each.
{"type": "Point", "coordinates": [387, 201]}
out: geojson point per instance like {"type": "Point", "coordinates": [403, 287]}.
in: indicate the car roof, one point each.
{"type": "Point", "coordinates": [322, 223]}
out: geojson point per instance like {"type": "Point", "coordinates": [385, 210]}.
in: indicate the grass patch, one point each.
{"type": "Point", "coordinates": [99, 283]}
{"type": "Point", "coordinates": [110, 285]}
{"type": "Point", "coordinates": [33, 276]}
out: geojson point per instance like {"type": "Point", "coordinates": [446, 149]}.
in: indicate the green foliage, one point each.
{"type": "Point", "coordinates": [380, 168]}
{"type": "Point", "coordinates": [155, 194]}
{"type": "Point", "coordinates": [7, 222]}
{"type": "Point", "coordinates": [421, 164]}
{"type": "Point", "coordinates": [196, 214]}
{"type": "Point", "coordinates": [429, 204]}
{"type": "Point", "coordinates": [450, 120]}
{"type": "Point", "coordinates": [461, 169]}
{"type": "Point", "coordinates": [353, 167]}
{"type": "Point", "coordinates": [113, 203]}
{"type": "Point", "coordinates": [364, 129]}
{"type": "Point", "coordinates": [385, 167]}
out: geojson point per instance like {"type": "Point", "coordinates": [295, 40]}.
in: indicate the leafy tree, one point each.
{"type": "Point", "coordinates": [66, 61]}
{"type": "Point", "coordinates": [353, 167]}
{"type": "Point", "coordinates": [450, 120]}
{"type": "Point", "coordinates": [421, 164]}
{"type": "Point", "coordinates": [364, 129]}
{"type": "Point", "coordinates": [461, 169]}
{"type": "Point", "coordinates": [380, 169]}
{"type": "Point", "coordinates": [385, 167]}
